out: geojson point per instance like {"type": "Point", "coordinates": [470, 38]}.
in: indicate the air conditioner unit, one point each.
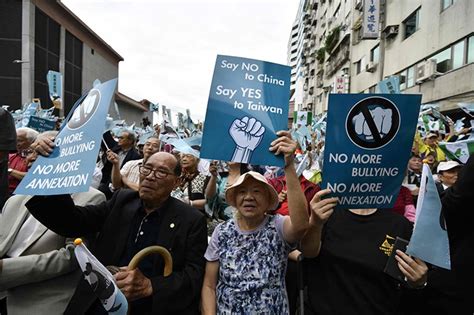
{"type": "Point", "coordinates": [426, 71]}
{"type": "Point", "coordinates": [391, 31]}
{"type": "Point", "coordinates": [370, 67]}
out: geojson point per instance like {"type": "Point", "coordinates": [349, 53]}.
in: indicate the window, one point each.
{"type": "Point", "coordinates": [470, 50]}
{"type": "Point", "coordinates": [357, 67]}
{"type": "Point", "coordinates": [363, 63]}
{"type": "Point", "coordinates": [403, 80]}
{"type": "Point", "coordinates": [411, 76]}
{"type": "Point", "coordinates": [443, 60]}
{"type": "Point", "coordinates": [73, 71]}
{"type": "Point", "coordinates": [458, 55]}
{"type": "Point", "coordinates": [411, 24]}
{"type": "Point", "coordinates": [374, 54]}
{"type": "Point", "coordinates": [46, 54]}
{"type": "Point", "coordinates": [446, 4]}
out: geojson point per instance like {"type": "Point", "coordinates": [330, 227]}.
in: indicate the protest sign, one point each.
{"type": "Point", "coordinates": [390, 85]}
{"type": "Point", "coordinates": [55, 87]}
{"type": "Point", "coordinates": [369, 141]}
{"type": "Point", "coordinates": [429, 240]}
{"type": "Point", "coordinates": [248, 104]}
{"type": "Point", "coordinates": [41, 124]}
{"type": "Point", "coordinates": [70, 166]}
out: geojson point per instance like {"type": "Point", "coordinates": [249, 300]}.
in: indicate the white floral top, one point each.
{"type": "Point", "coordinates": [252, 267]}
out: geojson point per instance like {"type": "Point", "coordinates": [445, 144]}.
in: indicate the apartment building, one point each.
{"type": "Point", "coordinates": [429, 44]}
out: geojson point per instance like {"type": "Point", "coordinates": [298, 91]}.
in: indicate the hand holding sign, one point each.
{"type": "Point", "coordinates": [247, 134]}
{"type": "Point", "coordinates": [321, 209]}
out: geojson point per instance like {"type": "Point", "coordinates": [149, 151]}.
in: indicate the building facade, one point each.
{"type": "Point", "coordinates": [428, 44]}
{"type": "Point", "coordinates": [41, 35]}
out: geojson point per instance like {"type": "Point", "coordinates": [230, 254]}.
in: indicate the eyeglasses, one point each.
{"type": "Point", "coordinates": [159, 173]}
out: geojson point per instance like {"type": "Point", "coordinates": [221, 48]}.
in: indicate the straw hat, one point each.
{"type": "Point", "coordinates": [230, 194]}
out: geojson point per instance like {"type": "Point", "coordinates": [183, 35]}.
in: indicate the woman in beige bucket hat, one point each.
{"type": "Point", "coordinates": [247, 255]}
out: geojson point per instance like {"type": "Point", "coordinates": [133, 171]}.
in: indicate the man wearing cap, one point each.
{"type": "Point", "coordinates": [447, 175]}
{"type": "Point", "coordinates": [430, 145]}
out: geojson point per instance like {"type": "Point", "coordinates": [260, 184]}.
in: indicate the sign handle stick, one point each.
{"type": "Point", "coordinates": [105, 143]}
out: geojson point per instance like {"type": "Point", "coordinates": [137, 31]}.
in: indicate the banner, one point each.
{"type": "Point", "coordinates": [70, 166]}
{"type": "Point", "coordinates": [101, 281]}
{"type": "Point", "coordinates": [429, 241]}
{"type": "Point", "coordinates": [55, 87]}
{"type": "Point", "coordinates": [41, 124]}
{"type": "Point", "coordinates": [370, 23]}
{"type": "Point", "coordinates": [248, 104]}
{"type": "Point", "coordinates": [371, 136]}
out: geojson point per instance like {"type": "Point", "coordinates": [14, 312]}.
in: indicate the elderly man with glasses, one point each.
{"type": "Point", "coordinates": [129, 222]}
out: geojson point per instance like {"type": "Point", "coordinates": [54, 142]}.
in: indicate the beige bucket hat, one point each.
{"type": "Point", "coordinates": [231, 191]}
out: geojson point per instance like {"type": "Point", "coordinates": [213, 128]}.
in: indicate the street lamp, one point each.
{"type": "Point", "coordinates": [20, 61]}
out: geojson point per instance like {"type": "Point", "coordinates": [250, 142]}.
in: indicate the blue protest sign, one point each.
{"type": "Point", "coordinates": [248, 104]}
{"type": "Point", "coordinates": [369, 139]}
{"type": "Point", "coordinates": [30, 110]}
{"type": "Point", "coordinates": [390, 85]}
{"type": "Point", "coordinates": [54, 84]}
{"type": "Point", "coordinates": [70, 166]}
{"type": "Point", "coordinates": [429, 240]}
{"type": "Point", "coordinates": [41, 124]}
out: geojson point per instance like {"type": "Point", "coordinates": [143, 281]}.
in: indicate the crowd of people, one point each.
{"type": "Point", "coordinates": [241, 236]}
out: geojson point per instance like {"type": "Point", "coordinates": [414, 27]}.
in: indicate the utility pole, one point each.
{"type": "Point", "coordinates": [383, 23]}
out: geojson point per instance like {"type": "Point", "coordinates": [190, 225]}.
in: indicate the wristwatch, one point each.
{"type": "Point", "coordinates": [10, 170]}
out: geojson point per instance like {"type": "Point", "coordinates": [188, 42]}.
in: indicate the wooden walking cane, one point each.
{"type": "Point", "coordinates": [149, 251]}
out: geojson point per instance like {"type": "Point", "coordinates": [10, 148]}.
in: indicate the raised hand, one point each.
{"type": "Point", "coordinates": [321, 209]}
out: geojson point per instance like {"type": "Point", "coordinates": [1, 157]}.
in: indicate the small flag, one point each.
{"type": "Point", "coordinates": [302, 118]}
{"type": "Point", "coordinates": [54, 80]}
{"type": "Point", "coordinates": [459, 150]}
{"type": "Point", "coordinates": [429, 240]}
{"type": "Point", "coordinates": [101, 280]}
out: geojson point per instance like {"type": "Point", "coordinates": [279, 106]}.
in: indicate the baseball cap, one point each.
{"type": "Point", "coordinates": [446, 166]}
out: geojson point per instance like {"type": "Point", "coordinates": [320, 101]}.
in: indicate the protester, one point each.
{"type": "Point", "coordinates": [415, 164]}
{"type": "Point", "coordinates": [125, 150]}
{"type": "Point", "coordinates": [191, 184]}
{"type": "Point", "coordinates": [430, 145]}
{"type": "Point", "coordinates": [404, 204]}
{"type": "Point", "coordinates": [216, 205]}
{"type": "Point", "coordinates": [247, 255]}
{"type": "Point", "coordinates": [7, 144]}
{"type": "Point", "coordinates": [129, 222]}
{"type": "Point", "coordinates": [129, 176]}
{"type": "Point", "coordinates": [447, 175]}
{"type": "Point", "coordinates": [349, 250]}
{"type": "Point", "coordinates": [37, 264]}
{"type": "Point", "coordinates": [309, 190]}
{"type": "Point", "coordinates": [457, 202]}
{"type": "Point", "coordinates": [16, 161]}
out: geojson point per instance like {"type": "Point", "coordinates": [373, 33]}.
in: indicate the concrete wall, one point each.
{"type": "Point", "coordinates": [129, 113]}
{"type": "Point", "coordinates": [95, 66]}
{"type": "Point", "coordinates": [436, 30]}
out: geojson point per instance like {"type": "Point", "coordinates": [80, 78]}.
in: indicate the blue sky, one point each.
{"type": "Point", "coordinates": [170, 47]}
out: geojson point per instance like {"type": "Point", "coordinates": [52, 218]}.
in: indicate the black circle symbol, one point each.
{"type": "Point", "coordinates": [84, 112]}
{"type": "Point", "coordinates": [373, 122]}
